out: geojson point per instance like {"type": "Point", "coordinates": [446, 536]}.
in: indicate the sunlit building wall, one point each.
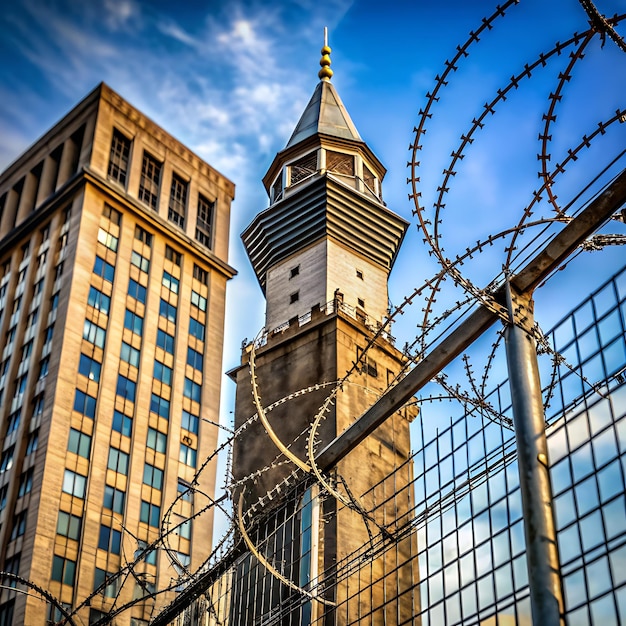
{"type": "Point", "coordinates": [113, 270]}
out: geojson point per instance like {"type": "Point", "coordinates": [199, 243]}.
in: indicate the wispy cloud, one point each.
{"type": "Point", "coordinates": [229, 84]}
{"type": "Point", "coordinates": [120, 14]}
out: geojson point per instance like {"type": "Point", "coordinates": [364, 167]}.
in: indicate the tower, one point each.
{"type": "Point", "coordinates": [113, 269]}
{"type": "Point", "coordinates": [322, 252]}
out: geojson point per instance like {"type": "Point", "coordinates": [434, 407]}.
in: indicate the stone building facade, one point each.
{"type": "Point", "coordinates": [113, 271]}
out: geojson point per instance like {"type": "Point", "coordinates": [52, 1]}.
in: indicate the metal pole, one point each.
{"type": "Point", "coordinates": [532, 453]}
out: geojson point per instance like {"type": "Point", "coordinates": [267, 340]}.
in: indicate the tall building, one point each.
{"type": "Point", "coordinates": [113, 270]}
{"type": "Point", "coordinates": [322, 252]}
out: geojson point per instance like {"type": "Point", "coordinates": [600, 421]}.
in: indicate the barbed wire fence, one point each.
{"type": "Point", "coordinates": [456, 554]}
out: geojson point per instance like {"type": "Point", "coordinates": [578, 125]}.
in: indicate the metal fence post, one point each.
{"type": "Point", "coordinates": [532, 452]}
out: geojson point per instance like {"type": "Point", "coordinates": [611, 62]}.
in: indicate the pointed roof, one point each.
{"type": "Point", "coordinates": [325, 114]}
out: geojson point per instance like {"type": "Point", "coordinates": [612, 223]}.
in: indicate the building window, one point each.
{"type": "Point", "coordinates": [204, 221]}
{"type": "Point", "coordinates": [198, 301]}
{"type": "Point", "coordinates": [33, 442]}
{"type": "Point", "coordinates": [98, 300]}
{"type": "Point", "coordinates": [184, 529]}
{"type": "Point", "coordinates": [150, 514]}
{"type": "Point", "coordinates": [101, 578]}
{"type": "Point", "coordinates": [185, 490]}
{"type": "Point", "coordinates": [294, 297]}
{"type": "Point", "coordinates": [139, 261]}
{"type": "Point", "coordinates": [172, 255]}
{"type": "Point", "coordinates": [68, 525]}
{"type": "Point", "coordinates": [114, 499]}
{"type": "Point", "coordinates": [359, 274]}
{"type": "Point", "coordinates": [114, 216]}
{"type": "Point", "coordinates": [14, 421]}
{"type": "Point", "coordinates": [44, 366]}
{"type": "Point", "coordinates": [152, 476]}
{"type": "Point", "coordinates": [143, 235]}
{"type": "Point", "coordinates": [6, 613]}
{"type": "Point", "coordinates": [103, 269]}
{"type": "Point", "coordinates": [20, 384]}
{"type": "Point", "coordinates": [107, 239]}
{"type": "Point", "coordinates": [201, 275]}
{"type": "Point", "coordinates": [85, 404]}
{"type": "Point", "coordinates": [162, 373]}
{"type": "Point", "coordinates": [145, 554]}
{"type": "Point", "coordinates": [294, 272]}
{"type": "Point", "coordinates": [89, 367]}
{"type": "Point", "coordinates": [192, 390]}
{"type": "Point", "coordinates": [118, 159]}
{"type": "Point", "coordinates": [277, 188]}
{"type": "Point", "coordinates": [165, 341]}
{"type": "Point", "coordinates": [178, 201]}
{"type": "Point", "coordinates": [33, 316]}
{"type": "Point", "coordinates": [96, 616]}
{"type": "Point", "coordinates": [3, 496]}
{"type": "Point", "coordinates": [79, 443]}
{"type": "Point", "coordinates": [369, 178]}
{"type": "Point", "coordinates": [195, 359]}
{"type": "Point", "coordinates": [303, 168]}
{"type": "Point", "coordinates": [110, 539]}
{"type": "Point", "coordinates": [63, 570]}
{"type": "Point", "coordinates": [129, 355]}
{"type": "Point", "coordinates": [19, 525]}
{"type": "Point", "coordinates": [26, 483]}
{"type": "Point", "coordinates": [41, 259]}
{"type": "Point", "coordinates": [58, 270]}
{"type": "Point", "coordinates": [126, 388]}
{"type": "Point", "coordinates": [118, 461]}
{"type": "Point", "coordinates": [160, 406]}
{"type": "Point", "coordinates": [150, 181]}
{"type": "Point", "coordinates": [12, 566]}
{"type": "Point", "coordinates": [133, 322]}
{"type": "Point", "coordinates": [196, 328]}
{"type": "Point", "coordinates": [122, 424]}
{"type": "Point", "coordinates": [6, 460]}
{"type": "Point", "coordinates": [10, 335]}
{"type": "Point", "coordinates": [137, 291]}
{"type": "Point", "coordinates": [171, 282]}
{"type": "Point", "coordinates": [74, 484]}
{"type": "Point", "coordinates": [47, 335]}
{"type": "Point", "coordinates": [187, 455]}
{"type": "Point", "coordinates": [167, 310]}
{"type": "Point", "coordinates": [17, 303]}
{"type": "Point", "coordinates": [340, 163]}
{"type": "Point", "coordinates": [190, 422]}
{"type": "Point", "coordinates": [38, 404]}
{"type": "Point", "coordinates": [156, 441]}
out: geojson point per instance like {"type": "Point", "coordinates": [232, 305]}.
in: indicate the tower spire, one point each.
{"type": "Point", "coordinates": [325, 73]}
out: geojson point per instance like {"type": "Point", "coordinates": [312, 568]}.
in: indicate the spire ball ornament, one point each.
{"type": "Point", "coordinates": [325, 73]}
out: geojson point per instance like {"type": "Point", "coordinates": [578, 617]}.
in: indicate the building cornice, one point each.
{"type": "Point", "coordinates": [171, 143]}
{"type": "Point", "coordinates": [86, 176]}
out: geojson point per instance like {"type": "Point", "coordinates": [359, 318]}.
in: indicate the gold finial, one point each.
{"type": "Point", "coordinates": [325, 73]}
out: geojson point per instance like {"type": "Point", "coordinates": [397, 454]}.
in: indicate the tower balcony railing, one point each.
{"type": "Point", "coordinates": [331, 307]}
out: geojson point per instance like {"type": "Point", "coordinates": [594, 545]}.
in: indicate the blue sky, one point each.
{"type": "Point", "coordinates": [231, 78]}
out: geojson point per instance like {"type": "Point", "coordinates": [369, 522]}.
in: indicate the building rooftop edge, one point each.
{"type": "Point", "coordinates": [105, 93]}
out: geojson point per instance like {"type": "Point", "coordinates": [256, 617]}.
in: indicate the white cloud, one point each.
{"type": "Point", "coordinates": [120, 12]}
{"type": "Point", "coordinates": [175, 31]}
